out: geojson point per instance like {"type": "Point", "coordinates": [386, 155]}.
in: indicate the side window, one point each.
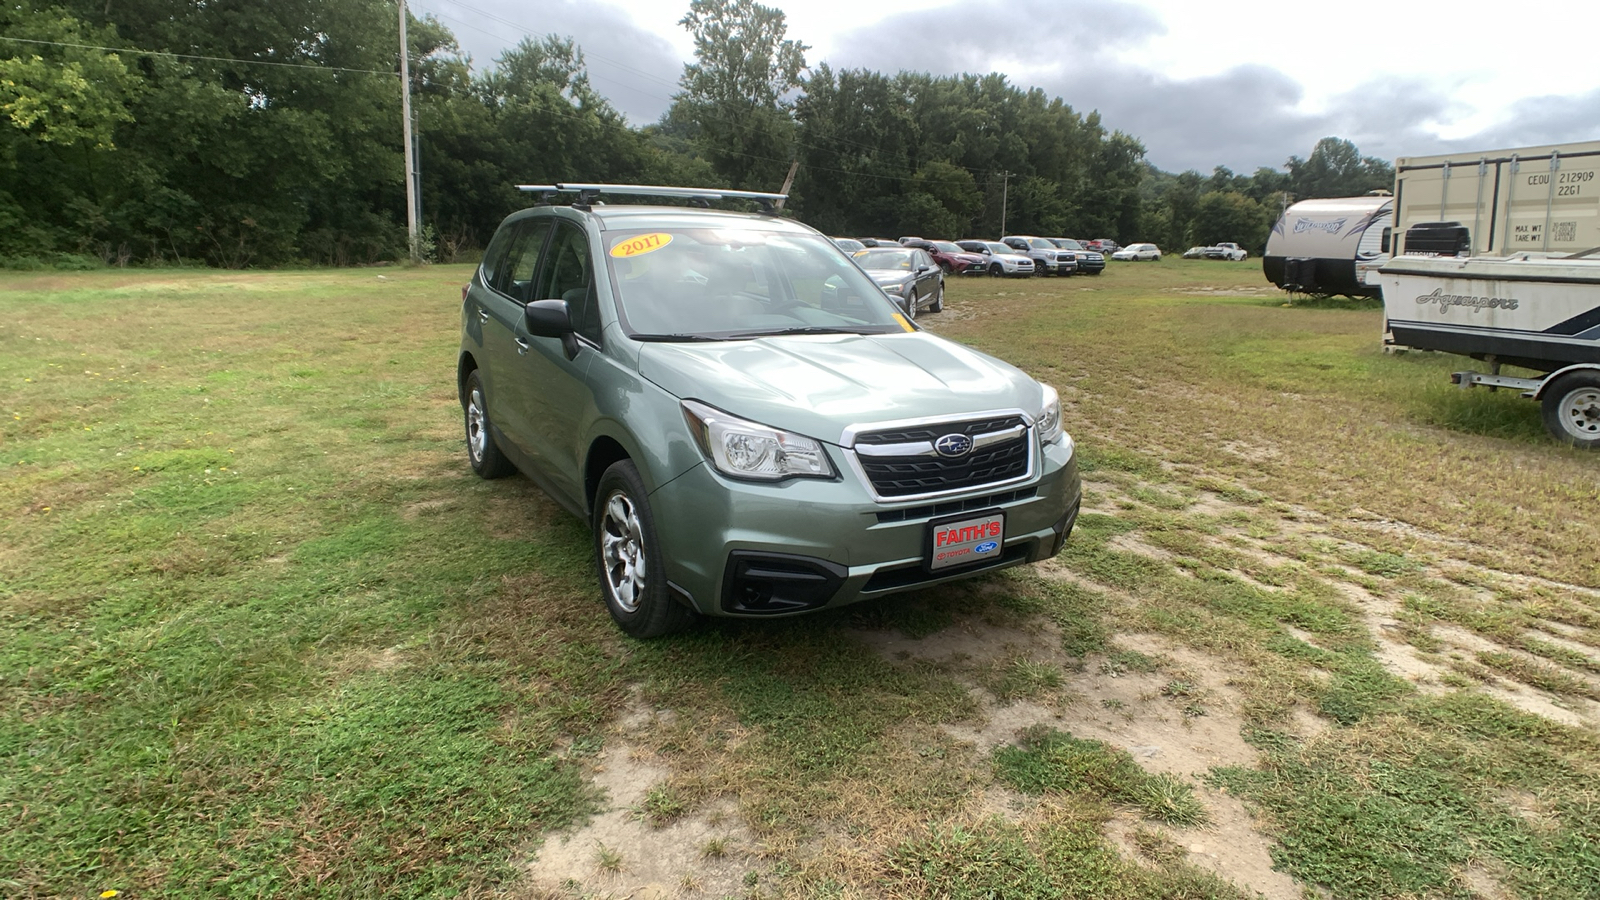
{"type": "Point", "coordinates": [566, 276]}
{"type": "Point", "coordinates": [494, 258]}
{"type": "Point", "coordinates": [516, 276]}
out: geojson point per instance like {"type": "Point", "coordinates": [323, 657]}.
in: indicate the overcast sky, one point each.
{"type": "Point", "coordinates": [1240, 84]}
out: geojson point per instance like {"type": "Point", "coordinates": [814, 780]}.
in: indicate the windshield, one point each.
{"type": "Point", "coordinates": [1040, 244]}
{"type": "Point", "coordinates": [997, 247]}
{"type": "Point", "coordinates": [720, 284]}
{"type": "Point", "coordinates": [1068, 244]}
{"type": "Point", "coordinates": [946, 247]}
{"type": "Point", "coordinates": [884, 259]}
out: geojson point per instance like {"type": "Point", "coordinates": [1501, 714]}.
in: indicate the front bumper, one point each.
{"type": "Point", "coordinates": [736, 548]}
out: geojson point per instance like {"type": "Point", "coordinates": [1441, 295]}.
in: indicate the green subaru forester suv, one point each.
{"type": "Point", "coordinates": [748, 423]}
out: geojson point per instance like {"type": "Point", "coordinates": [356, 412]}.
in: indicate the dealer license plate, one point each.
{"type": "Point", "coordinates": [965, 542]}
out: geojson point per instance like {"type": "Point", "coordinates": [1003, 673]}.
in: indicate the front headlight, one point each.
{"type": "Point", "coordinates": [742, 449]}
{"type": "Point", "coordinates": [1049, 422]}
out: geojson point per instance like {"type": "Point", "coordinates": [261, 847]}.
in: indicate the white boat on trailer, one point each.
{"type": "Point", "coordinates": [1538, 308]}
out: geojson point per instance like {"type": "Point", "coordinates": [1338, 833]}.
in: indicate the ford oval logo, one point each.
{"type": "Point", "coordinates": [985, 547]}
{"type": "Point", "coordinates": [953, 445]}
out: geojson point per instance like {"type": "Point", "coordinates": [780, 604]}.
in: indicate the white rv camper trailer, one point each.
{"type": "Point", "coordinates": [1497, 257]}
{"type": "Point", "coordinates": [1330, 246]}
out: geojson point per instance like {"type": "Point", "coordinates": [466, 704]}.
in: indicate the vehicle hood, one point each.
{"type": "Point", "coordinates": [973, 258]}
{"type": "Point", "coordinates": [818, 385]}
{"type": "Point", "coordinates": [1014, 257]}
{"type": "Point", "coordinates": [889, 276]}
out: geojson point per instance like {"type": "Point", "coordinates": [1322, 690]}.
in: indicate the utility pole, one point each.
{"type": "Point", "coordinates": [1005, 183]}
{"type": "Point", "coordinates": [412, 236]}
{"type": "Point", "coordinates": [788, 182]}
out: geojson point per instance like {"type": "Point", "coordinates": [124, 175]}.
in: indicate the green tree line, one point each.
{"type": "Point", "coordinates": [251, 134]}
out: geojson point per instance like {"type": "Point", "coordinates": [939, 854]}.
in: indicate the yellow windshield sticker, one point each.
{"type": "Point", "coordinates": [644, 243]}
{"type": "Point", "coordinates": [903, 323]}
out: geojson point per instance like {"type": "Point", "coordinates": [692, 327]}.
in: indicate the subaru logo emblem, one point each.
{"type": "Point", "coordinates": [953, 445]}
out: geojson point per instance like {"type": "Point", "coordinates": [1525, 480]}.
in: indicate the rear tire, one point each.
{"type": "Point", "coordinates": [627, 556]}
{"type": "Point", "coordinates": [938, 298]}
{"type": "Point", "coordinates": [482, 451]}
{"type": "Point", "coordinates": [1571, 409]}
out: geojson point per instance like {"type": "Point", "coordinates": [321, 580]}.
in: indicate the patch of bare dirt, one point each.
{"type": "Point", "coordinates": [1229, 846]}
{"type": "Point", "coordinates": [619, 854]}
{"type": "Point", "coordinates": [1129, 543]}
{"type": "Point", "coordinates": [1183, 720]}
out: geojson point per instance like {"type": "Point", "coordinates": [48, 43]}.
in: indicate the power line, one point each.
{"type": "Point", "coordinates": [253, 62]}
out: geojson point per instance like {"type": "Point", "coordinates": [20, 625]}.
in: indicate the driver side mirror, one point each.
{"type": "Point", "coordinates": [551, 319]}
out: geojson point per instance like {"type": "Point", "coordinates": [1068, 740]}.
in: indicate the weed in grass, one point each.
{"type": "Point", "coordinates": [1157, 846]}
{"type": "Point", "coordinates": [716, 848]}
{"type": "Point", "coordinates": [1093, 459]}
{"type": "Point", "coordinates": [1374, 562]}
{"type": "Point", "coordinates": [1159, 498]}
{"type": "Point", "coordinates": [1178, 688]}
{"type": "Point", "coordinates": [1123, 661]}
{"type": "Point", "coordinates": [606, 858]}
{"type": "Point", "coordinates": [662, 805]}
{"type": "Point", "coordinates": [1023, 678]}
{"type": "Point", "coordinates": [1541, 675]}
{"type": "Point", "coordinates": [1051, 760]}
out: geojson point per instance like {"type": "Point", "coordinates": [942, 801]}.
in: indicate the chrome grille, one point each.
{"type": "Point", "coordinates": [994, 462]}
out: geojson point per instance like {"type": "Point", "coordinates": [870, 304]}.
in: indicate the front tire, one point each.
{"type": "Point", "coordinates": [996, 270]}
{"type": "Point", "coordinates": [627, 555]}
{"type": "Point", "coordinates": [482, 451]}
{"type": "Point", "coordinates": [1571, 409]}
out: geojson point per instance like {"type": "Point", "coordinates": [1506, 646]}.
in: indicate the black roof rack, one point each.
{"type": "Point", "coordinates": [587, 193]}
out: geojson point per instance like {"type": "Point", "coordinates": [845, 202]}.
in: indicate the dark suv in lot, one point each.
{"type": "Point", "coordinates": [748, 424]}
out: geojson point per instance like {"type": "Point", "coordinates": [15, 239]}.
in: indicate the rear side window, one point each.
{"type": "Point", "coordinates": [516, 276]}
{"type": "Point", "coordinates": [494, 258]}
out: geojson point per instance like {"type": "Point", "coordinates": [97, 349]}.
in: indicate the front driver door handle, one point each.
{"type": "Point", "coordinates": [483, 315]}
{"type": "Point", "coordinates": [522, 346]}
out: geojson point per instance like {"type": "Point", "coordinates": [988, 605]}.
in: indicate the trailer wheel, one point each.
{"type": "Point", "coordinates": [1572, 410]}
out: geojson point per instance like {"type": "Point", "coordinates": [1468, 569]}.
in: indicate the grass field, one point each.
{"type": "Point", "coordinates": [1329, 627]}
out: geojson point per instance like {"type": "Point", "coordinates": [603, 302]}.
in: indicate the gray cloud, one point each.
{"type": "Point", "coordinates": [637, 70]}
{"type": "Point", "coordinates": [1241, 118]}
{"type": "Point", "coordinates": [981, 36]}
{"type": "Point", "coordinates": [1548, 120]}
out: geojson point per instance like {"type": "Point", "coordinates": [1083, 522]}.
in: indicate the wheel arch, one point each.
{"type": "Point", "coordinates": [1553, 377]}
{"type": "Point", "coordinates": [604, 452]}
{"type": "Point", "coordinates": [465, 365]}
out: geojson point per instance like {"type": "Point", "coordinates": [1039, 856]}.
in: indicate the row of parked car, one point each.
{"type": "Point", "coordinates": [1015, 255]}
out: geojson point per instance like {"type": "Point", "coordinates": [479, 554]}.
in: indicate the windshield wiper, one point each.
{"type": "Point", "coordinates": [675, 338]}
{"type": "Point", "coordinates": [806, 329]}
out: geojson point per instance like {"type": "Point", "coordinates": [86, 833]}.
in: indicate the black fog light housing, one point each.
{"type": "Point", "coordinates": [757, 584]}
